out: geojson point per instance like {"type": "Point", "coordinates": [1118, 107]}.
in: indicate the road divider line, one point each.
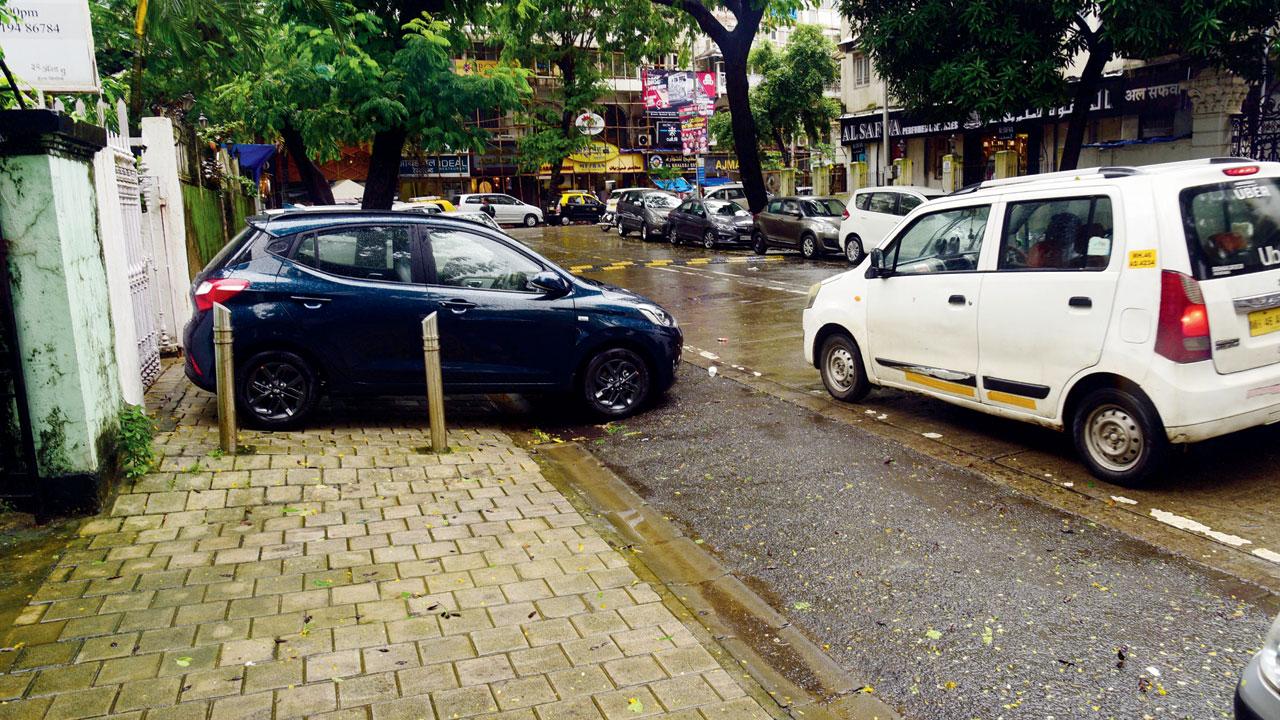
{"type": "Point", "coordinates": [663, 263]}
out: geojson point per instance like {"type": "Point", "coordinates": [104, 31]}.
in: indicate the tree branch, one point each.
{"type": "Point", "coordinates": [1083, 26]}
{"type": "Point", "coordinates": [702, 14]}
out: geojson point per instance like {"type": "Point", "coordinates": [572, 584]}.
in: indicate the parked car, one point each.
{"type": "Point", "coordinates": [423, 208]}
{"type": "Point", "coordinates": [708, 223]}
{"type": "Point", "coordinates": [731, 191]}
{"type": "Point", "coordinates": [646, 212]}
{"type": "Point", "coordinates": [804, 190]}
{"type": "Point", "coordinates": [436, 200]}
{"type": "Point", "coordinates": [575, 206]}
{"type": "Point", "coordinates": [1258, 693]}
{"type": "Point", "coordinates": [506, 209]}
{"type": "Point", "coordinates": [333, 303]}
{"type": "Point", "coordinates": [475, 217]}
{"type": "Point", "coordinates": [1134, 308]}
{"type": "Point", "coordinates": [608, 220]}
{"type": "Point", "coordinates": [873, 212]}
{"type": "Point", "coordinates": [811, 224]}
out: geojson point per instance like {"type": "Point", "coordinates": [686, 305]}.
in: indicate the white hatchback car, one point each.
{"type": "Point", "coordinates": [872, 213]}
{"type": "Point", "coordinates": [1133, 307]}
{"type": "Point", "coordinates": [507, 210]}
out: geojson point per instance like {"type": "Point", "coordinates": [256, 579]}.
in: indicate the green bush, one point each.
{"type": "Point", "coordinates": [135, 452]}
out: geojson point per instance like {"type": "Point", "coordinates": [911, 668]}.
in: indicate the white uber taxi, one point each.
{"type": "Point", "coordinates": [1131, 307]}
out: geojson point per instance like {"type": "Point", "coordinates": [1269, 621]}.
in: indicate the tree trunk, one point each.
{"type": "Point", "coordinates": [745, 139]}
{"type": "Point", "coordinates": [568, 75]}
{"type": "Point", "coordinates": [135, 90]}
{"type": "Point", "coordinates": [1086, 88]}
{"type": "Point", "coordinates": [383, 182]}
{"type": "Point", "coordinates": [782, 147]}
{"type": "Point", "coordinates": [318, 191]}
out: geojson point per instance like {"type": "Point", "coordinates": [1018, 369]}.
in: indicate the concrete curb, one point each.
{"type": "Point", "coordinates": [793, 674]}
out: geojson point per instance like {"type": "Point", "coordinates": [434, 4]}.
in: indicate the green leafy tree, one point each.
{"type": "Point", "coordinates": [947, 59]}
{"type": "Point", "coordinates": [790, 96]}
{"type": "Point", "coordinates": [369, 71]}
{"type": "Point", "coordinates": [572, 36]}
{"type": "Point", "coordinates": [734, 39]}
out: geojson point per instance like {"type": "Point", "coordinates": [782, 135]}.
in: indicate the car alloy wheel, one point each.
{"type": "Point", "coordinates": [709, 240]}
{"type": "Point", "coordinates": [564, 219]}
{"type": "Point", "coordinates": [853, 249]}
{"type": "Point", "coordinates": [622, 230]}
{"type": "Point", "coordinates": [616, 383]}
{"type": "Point", "coordinates": [644, 232]}
{"type": "Point", "coordinates": [530, 220]}
{"type": "Point", "coordinates": [809, 247]}
{"type": "Point", "coordinates": [673, 237]}
{"type": "Point", "coordinates": [759, 245]}
{"type": "Point", "coordinates": [277, 389]}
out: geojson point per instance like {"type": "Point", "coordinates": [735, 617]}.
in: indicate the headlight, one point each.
{"type": "Point", "coordinates": [657, 315]}
{"type": "Point", "coordinates": [1269, 658]}
{"type": "Point", "coordinates": [813, 295]}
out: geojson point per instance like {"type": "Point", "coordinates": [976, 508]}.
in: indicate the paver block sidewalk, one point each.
{"type": "Point", "coordinates": [340, 573]}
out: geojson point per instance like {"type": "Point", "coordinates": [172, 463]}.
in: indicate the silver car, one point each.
{"type": "Point", "coordinates": [1258, 694]}
{"type": "Point", "coordinates": [811, 224]}
{"type": "Point", "coordinates": [646, 212]}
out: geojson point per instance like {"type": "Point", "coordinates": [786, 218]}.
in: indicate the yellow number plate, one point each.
{"type": "Point", "coordinates": [1263, 322]}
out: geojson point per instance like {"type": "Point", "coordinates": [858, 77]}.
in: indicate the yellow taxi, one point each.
{"type": "Point", "coordinates": [444, 205]}
{"type": "Point", "coordinates": [575, 205]}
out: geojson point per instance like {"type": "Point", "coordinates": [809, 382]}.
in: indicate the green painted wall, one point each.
{"type": "Point", "coordinates": [205, 222]}
{"type": "Point", "coordinates": [49, 217]}
{"type": "Point", "coordinates": [203, 211]}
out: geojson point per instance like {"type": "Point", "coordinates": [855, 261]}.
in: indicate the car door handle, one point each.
{"type": "Point", "coordinates": [956, 300]}
{"type": "Point", "coordinates": [308, 302]}
{"type": "Point", "coordinates": [457, 305]}
{"type": "Point", "coordinates": [1080, 301]}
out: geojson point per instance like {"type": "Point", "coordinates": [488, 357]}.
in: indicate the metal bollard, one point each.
{"type": "Point", "coordinates": [224, 367]}
{"type": "Point", "coordinates": [435, 386]}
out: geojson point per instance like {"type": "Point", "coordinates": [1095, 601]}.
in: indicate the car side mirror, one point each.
{"type": "Point", "coordinates": [551, 283]}
{"type": "Point", "coordinates": [876, 268]}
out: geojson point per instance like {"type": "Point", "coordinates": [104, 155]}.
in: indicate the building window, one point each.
{"type": "Point", "coordinates": [861, 71]}
{"type": "Point", "coordinates": [1159, 123]}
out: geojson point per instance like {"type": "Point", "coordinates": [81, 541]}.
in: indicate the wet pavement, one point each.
{"type": "Point", "coordinates": [954, 597]}
{"type": "Point", "coordinates": [742, 311]}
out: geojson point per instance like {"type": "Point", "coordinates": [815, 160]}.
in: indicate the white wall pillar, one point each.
{"type": "Point", "coordinates": [161, 159]}
{"type": "Point", "coordinates": [116, 259]}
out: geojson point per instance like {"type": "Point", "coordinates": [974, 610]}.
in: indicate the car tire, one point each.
{"type": "Point", "coordinates": [276, 390]}
{"type": "Point", "coordinates": [758, 244]}
{"type": "Point", "coordinates": [808, 246]}
{"type": "Point", "coordinates": [564, 219]}
{"type": "Point", "coordinates": [853, 251]}
{"type": "Point", "coordinates": [622, 229]}
{"type": "Point", "coordinates": [615, 383]}
{"type": "Point", "coordinates": [1119, 437]}
{"type": "Point", "coordinates": [530, 220]}
{"type": "Point", "coordinates": [843, 373]}
{"type": "Point", "coordinates": [709, 240]}
{"type": "Point", "coordinates": [673, 237]}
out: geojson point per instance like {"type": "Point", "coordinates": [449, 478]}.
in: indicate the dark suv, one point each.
{"type": "Point", "coordinates": [334, 301]}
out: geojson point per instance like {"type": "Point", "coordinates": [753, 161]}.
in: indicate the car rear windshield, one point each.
{"type": "Point", "coordinates": [1233, 228]}
{"type": "Point", "coordinates": [228, 250]}
{"type": "Point", "coordinates": [827, 207]}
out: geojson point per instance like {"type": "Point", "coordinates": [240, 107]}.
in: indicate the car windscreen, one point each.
{"type": "Point", "coordinates": [661, 200]}
{"type": "Point", "coordinates": [725, 208]}
{"type": "Point", "coordinates": [1232, 228]}
{"type": "Point", "coordinates": [826, 207]}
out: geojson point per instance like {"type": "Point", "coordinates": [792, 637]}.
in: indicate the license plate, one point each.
{"type": "Point", "coordinates": [1264, 322]}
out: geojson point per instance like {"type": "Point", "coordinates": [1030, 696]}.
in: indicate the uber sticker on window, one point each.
{"type": "Point", "coordinates": [1142, 258]}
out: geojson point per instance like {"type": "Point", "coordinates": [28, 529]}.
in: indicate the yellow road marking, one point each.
{"type": "Point", "coordinates": [622, 263]}
{"type": "Point", "coordinates": [614, 267]}
{"type": "Point", "coordinates": [576, 268]}
{"type": "Point", "coordinates": [1011, 399]}
{"type": "Point", "coordinates": [772, 258]}
{"type": "Point", "coordinates": [936, 384]}
{"type": "Point", "coordinates": [658, 263]}
{"type": "Point", "coordinates": [699, 261]}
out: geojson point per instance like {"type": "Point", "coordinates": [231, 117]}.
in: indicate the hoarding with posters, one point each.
{"type": "Point", "coordinates": [49, 45]}
{"type": "Point", "coordinates": [693, 131]}
{"type": "Point", "coordinates": [666, 92]}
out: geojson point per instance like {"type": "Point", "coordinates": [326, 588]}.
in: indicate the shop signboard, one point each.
{"type": "Point", "coordinates": [683, 163]}
{"type": "Point", "coordinates": [619, 163]}
{"type": "Point", "coordinates": [436, 166]}
{"type": "Point", "coordinates": [48, 45]}
{"type": "Point", "coordinates": [470, 66]}
{"type": "Point", "coordinates": [666, 92]}
{"type": "Point", "coordinates": [668, 134]}
{"type": "Point", "coordinates": [721, 165]}
{"type": "Point", "coordinates": [596, 151]}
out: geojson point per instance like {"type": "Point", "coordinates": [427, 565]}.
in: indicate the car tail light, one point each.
{"type": "Point", "coordinates": [218, 291]}
{"type": "Point", "coordinates": [1182, 333]}
{"type": "Point", "coordinates": [1240, 170]}
{"type": "Point", "coordinates": [194, 365]}
{"type": "Point", "coordinates": [845, 215]}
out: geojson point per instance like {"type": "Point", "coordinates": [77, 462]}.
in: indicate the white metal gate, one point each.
{"type": "Point", "coordinates": [138, 253]}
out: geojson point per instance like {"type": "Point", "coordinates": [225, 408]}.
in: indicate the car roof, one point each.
{"type": "Point", "coordinates": [805, 197]}
{"type": "Point", "coordinates": [1207, 168]}
{"type": "Point", "coordinates": [289, 222]}
{"type": "Point", "coordinates": [921, 189]}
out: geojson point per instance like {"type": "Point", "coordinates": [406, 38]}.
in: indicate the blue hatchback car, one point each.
{"type": "Point", "coordinates": [334, 302]}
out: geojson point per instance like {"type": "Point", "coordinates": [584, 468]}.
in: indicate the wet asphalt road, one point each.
{"type": "Point", "coordinates": [952, 597]}
{"type": "Point", "coordinates": [740, 310]}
